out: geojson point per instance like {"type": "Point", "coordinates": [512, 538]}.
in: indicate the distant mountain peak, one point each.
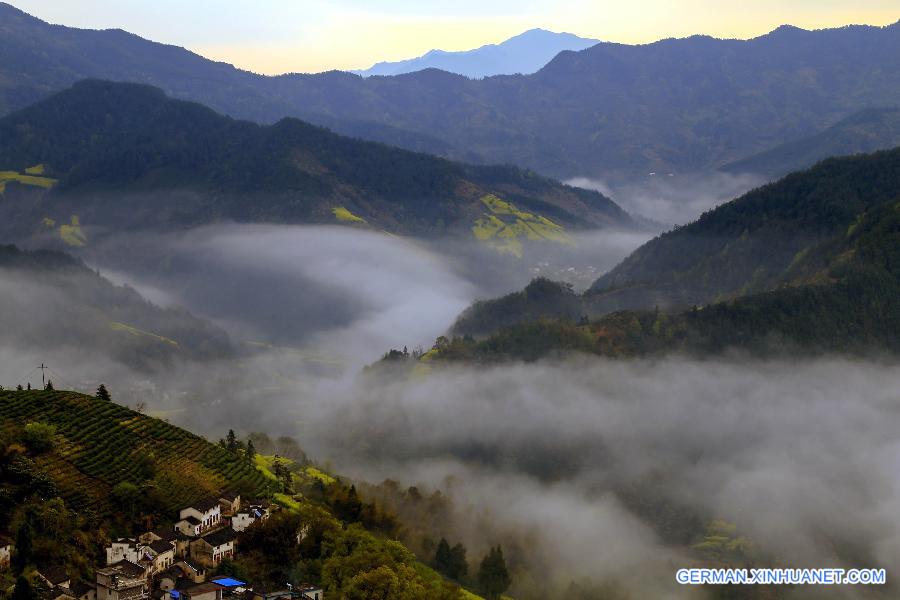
{"type": "Point", "coordinates": [781, 29]}
{"type": "Point", "coordinates": [524, 53]}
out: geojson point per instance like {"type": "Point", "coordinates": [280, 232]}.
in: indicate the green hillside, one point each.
{"type": "Point", "coordinates": [808, 262]}
{"type": "Point", "coordinates": [750, 244]}
{"type": "Point", "coordinates": [127, 157]}
{"type": "Point", "coordinates": [866, 131]}
{"type": "Point", "coordinates": [77, 471]}
{"type": "Point", "coordinates": [99, 444]}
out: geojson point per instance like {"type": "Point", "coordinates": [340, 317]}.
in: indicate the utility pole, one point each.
{"type": "Point", "coordinates": [43, 368]}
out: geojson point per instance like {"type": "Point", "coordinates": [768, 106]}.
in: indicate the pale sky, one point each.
{"type": "Point", "coordinates": [278, 36]}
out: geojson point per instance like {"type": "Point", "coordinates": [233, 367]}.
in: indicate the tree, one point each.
{"type": "Point", "coordinates": [450, 561]}
{"type": "Point", "coordinates": [231, 441]}
{"type": "Point", "coordinates": [19, 388]}
{"type": "Point", "coordinates": [493, 576]}
{"type": "Point", "coordinates": [49, 386]}
{"type": "Point", "coordinates": [283, 474]}
{"type": "Point", "coordinates": [23, 590]}
{"type": "Point", "coordinates": [459, 567]}
{"type": "Point", "coordinates": [442, 557]}
{"type": "Point", "coordinates": [103, 393]}
{"type": "Point", "coordinates": [126, 495]}
{"type": "Point", "coordinates": [23, 549]}
{"type": "Point", "coordinates": [250, 454]}
{"type": "Point", "coordinates": [39, 436]}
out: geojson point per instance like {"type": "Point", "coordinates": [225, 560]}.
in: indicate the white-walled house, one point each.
{"type": "Point", "coordinates": [310, 592]}
{"type": "Point", "coordinates": [207, 511]}
{"type": "Point", "coordinates": [163, 555]}
{"type": "Point", "coordinates": [5, 553]}
{"type": "Point", "coordinates": [248, 516]}
{"type": "Point", "coordinates": [230, 502]}
{"type": "Point", "coordinates": [190, 526]}
{"type": "Point", "coordinates": [125, 549]}
{"type": "Point", "coordinates": [54, 576]}
{"type": "Point", "coordinates": [124, 580]}
{"type": "Point", "coordinates": [212, 548]}
{"type": "Point", "coordinates": [83, 591]}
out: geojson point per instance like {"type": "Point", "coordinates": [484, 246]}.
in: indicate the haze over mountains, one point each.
{"type": "Point", "coordinates": [524, 53]}
{"type": "Point", "coordinates": [613, 111]}
{"type": "Point", "coordinates": [723, 394]}
{"type": "Point", "coordinates": [866, 131]}
{"type": "Point", "coordinates": [810, 260]}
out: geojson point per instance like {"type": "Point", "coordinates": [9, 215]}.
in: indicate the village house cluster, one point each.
{"type": "Point", "coordinates": [171, 563]}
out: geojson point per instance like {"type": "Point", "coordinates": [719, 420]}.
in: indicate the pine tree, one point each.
{"type": "Point", "coordinates": [251, 452]}
{"type": "Point", "coordinates": [459, 567]}
{"type": "Point", "coordinates": [103, 393]}
{"type": "Point", "coordinates": [442, 558]}
{"type": "Point", "coordinates": [493, 576]}
{"type": "Point", "coordinates": [49, 386]}
{"type": "Point", "coordinates": [19, 388]}
{"type": "Point", "coordinates": [231, 441]}
{"type": "Point", "coordinates": [23, 549]}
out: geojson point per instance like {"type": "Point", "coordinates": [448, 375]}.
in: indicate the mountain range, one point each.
{"type": "Point", "coordinates": [524, 54]}
{"type": "Point", "coordinates": [117, 157]}
{"type": "Point", "coordinates": [611, 110]}
{"type": "Point", "coordinates": [809, 261]}
{"type": "Point", "coordinates": [865, 131]}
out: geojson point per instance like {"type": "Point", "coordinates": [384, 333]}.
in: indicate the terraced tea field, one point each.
{"type": "Point", "coordinates": [100, 444]}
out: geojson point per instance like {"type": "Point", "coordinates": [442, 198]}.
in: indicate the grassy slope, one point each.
{"type": "Point", "coordinates": [98, 443]}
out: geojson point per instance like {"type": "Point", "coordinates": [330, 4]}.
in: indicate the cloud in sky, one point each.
{"type": "Point", "coordinates": [277, 36]}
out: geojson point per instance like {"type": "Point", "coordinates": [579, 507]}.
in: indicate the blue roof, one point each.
{"type": "Point", "coordinates": [228, 582]}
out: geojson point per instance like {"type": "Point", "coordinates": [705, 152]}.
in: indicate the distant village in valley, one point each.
{"type": "Point", "coordinates": [172, 562]}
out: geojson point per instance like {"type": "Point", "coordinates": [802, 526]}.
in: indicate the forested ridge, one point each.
{"type": "Point", "coordinates": [125, 156]}
{"type": "Point", "coordinates": [810, 262]}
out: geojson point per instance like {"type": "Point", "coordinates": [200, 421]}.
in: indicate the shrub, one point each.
{"type": "Point", "coordinates": [39, 437]}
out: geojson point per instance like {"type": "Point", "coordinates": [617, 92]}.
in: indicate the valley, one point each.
{"type": "Point", "coordinates": [540, 316]}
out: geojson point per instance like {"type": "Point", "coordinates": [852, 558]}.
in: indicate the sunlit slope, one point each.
{"type": "Point", "coordinates": [32, 176]}
{"type": "Point", "coordinates": [506, 228]}
{"type": "Point", "coordinates": [127, 157]}
{"type": "Point", "coordinates": [99, 444]}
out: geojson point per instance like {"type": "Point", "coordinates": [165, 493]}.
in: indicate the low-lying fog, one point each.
{"type": "Point", "coordinates": [674, 199]}
{"type": "Point", "coordinates": [587, 468]}
{"type": "Point", "coordinates": [348, 293]}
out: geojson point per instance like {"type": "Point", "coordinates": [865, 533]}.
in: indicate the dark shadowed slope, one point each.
{"type": "Point", "coordinates": [125, 156]}
{"type": "Point", "coordinates": [866, 131]}
{"type": "Point", "coordinates": [524, 53]}
{"type": "Point", "coordinates": [611, 110]}
{"type": "Point", "coordinates": [51, 302]}
{"type": "Point", "coordinates": [750, 244]}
